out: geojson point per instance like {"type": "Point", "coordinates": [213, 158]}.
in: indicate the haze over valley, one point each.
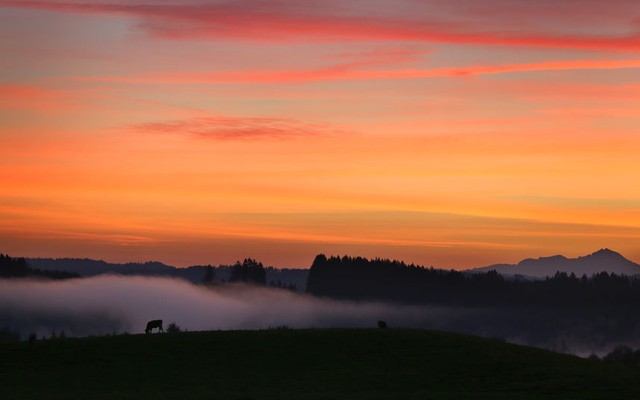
{"type": "Point", "coordinates": [562, 311]}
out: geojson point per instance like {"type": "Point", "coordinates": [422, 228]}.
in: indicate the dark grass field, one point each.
{"type": "Point", "coordinates": [303, 364]}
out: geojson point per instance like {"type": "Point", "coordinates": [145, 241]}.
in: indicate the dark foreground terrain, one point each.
{"type": "Point", "coordinates": [303, 364]}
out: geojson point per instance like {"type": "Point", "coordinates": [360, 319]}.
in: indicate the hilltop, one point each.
{"type": "Point", "coordinates": [303, 364]}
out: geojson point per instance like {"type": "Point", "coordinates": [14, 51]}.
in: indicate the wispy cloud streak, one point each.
{"type": "Point", "coordinates": [284, 21]}
{"type": "Point", "coordinates": [15, 96]}
{"type": "Point", "coordinates": [238, 128]}
{"type": "Point", "coordinates": [355, 71]}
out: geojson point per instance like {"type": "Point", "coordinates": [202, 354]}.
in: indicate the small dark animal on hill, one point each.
{"type": "Point", "coordinates": [382, 324]}
{"type": "Point", "coordinates": [156, 323]}
{"type": "Point", "coordinates": [32, 339]}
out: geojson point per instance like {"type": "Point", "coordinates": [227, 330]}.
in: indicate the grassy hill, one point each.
{"type": "Point", "coordinates": [303, 364]}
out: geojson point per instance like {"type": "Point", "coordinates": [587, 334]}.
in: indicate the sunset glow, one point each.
{"type": "Point", "coordinates": [455, 134]}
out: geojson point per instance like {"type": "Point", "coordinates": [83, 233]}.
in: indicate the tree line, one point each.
{"type": "Point", "coordinates": [249, 271]}
{"type": "Point", "coordinates": [357, 278]}
{"type": "Point", "coordinates": [19, 268]}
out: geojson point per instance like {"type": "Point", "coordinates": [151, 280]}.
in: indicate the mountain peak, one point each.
{"type": "Point", "coordinates": [606, 253]}
{"type": "Point", "coordinates": [603, 260]}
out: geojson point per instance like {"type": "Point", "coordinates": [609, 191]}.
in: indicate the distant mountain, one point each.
{"type": "Point", "coordinates": [604, 260]}
{"type": "Point", "coordinates": [89, 267]}
{"type": "Point", "coordinates": [194, 274]}
{"type": "Point", "coordinates": [19, 268]}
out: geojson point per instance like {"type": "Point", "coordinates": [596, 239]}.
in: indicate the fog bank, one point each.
{"type": "Point", "coordinates": [107, 304]}
{"type": "Point", "coordinates": [116, 304]}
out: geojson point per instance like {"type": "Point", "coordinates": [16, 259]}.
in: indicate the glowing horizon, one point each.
{"type": "Point", "coordinates": [454, 134]}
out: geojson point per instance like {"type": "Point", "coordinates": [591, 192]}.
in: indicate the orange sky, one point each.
{"type": "Point", "coordinates": [455, 134]}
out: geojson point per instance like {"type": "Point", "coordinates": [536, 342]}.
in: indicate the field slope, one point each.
{"type": "Point", "coordinates": [303, 364]}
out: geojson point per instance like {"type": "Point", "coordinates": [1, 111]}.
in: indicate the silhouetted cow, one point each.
{"type": "Point", "coordinates": [382, 324]}
{"type": "Point", "coordinates": [156, 323]}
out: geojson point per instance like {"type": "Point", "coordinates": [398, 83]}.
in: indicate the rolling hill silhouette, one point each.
{"type": "Point", "coordinates": [604, 260]}
{"type": "Point", "coordinates": [88, 267]}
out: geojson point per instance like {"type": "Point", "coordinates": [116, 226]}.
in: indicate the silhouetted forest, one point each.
{"type": "Point", "coordinates": [561, 312]}
{"type": "Point", "coordinates": [19, 268]}
{"type": "Point", "coordinates": [250, 271]}
{"type": "Point", "coordinates": [357, 278]}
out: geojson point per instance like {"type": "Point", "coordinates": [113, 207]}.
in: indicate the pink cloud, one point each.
{"type": "Point", "coordinates": [464, 22]}
{"type": "Point", "coordinates": [363, 70]}
{"type": "Point", "coordinates": [238, 128]}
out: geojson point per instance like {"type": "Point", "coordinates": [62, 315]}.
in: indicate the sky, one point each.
{"type": "Point", "coordinates": [450, 134]}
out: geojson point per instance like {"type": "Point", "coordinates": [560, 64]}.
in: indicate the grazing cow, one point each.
{"type": "Point", "coordinates": [382, 324]}
{"type": "Point", "coordinates": [156, 323]}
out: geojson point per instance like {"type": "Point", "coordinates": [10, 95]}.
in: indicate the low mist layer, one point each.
{"type": "Point", "coordinates": [108, 304]}
{"type": "Point", "coordinates": [116, 304]}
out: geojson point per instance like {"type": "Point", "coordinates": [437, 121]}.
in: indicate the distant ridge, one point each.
{"type": "Point", "coordinates": [88, 267]}
{"type": "Point", "coordinates": [604, 260]}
